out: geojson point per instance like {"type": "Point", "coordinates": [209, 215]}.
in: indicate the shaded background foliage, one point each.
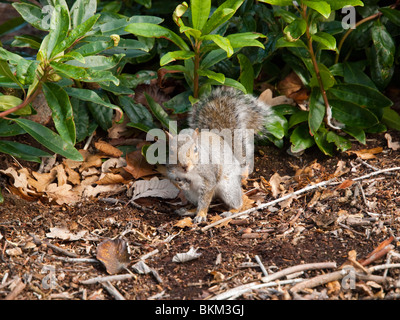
{"type": "Point", "coordinates": [89, 58]}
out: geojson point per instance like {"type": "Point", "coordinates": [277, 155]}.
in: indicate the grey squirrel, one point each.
{"type": "Point", "coordinates": [215, 154]}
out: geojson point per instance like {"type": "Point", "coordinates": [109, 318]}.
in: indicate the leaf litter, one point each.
{"type": "Point", "coordinates": [332, 224]}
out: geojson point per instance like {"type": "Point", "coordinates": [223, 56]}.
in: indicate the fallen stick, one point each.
{"type": "Point", "coordinates": [39, 242]}
{"type": "Point", "coordinates": [113, 291]}
{"type": "Point", "coordinates": [19, 287]}
{"type": "Point", "coordinates": [118, 277]}
{"type": "Point", "coordinates": [268, 281]}
{"type": "Point", "coordinates": [295, 193]}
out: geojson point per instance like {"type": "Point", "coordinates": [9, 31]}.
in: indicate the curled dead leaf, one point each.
{"type": "Point", "coordinates": [366, 154]}
{"type": "Point", "coordinates": [185, 222]}
{"type": "Point", "coordinates": [108, 149]}
{"type": "Point", "coordinates": [113, 254]}
{"type": "Point", "coordinates": [186, 256]}
{"type": "Point", "coordinates": [137, 165]}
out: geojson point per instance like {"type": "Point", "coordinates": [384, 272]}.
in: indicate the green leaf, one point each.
{"type": "Point", "coordinates": [277, 125]}
{"type": "Point", "coordinates": [317, 110]}
{"type": "Point", "coordinates": [341, 142]}
{"type": "Point", "coordinates": [339, 4]}
{"type": "Point", "coordinates": [98, 62]}
{"type": "Point", "coordinates": [360, 95]}
{"type": "Point", "coordinates": [392, 14]}
{"type": "Point", "coordinates": [220, 77]}
{"type": "Point", "coordinates": [283, 43]}
{"type": "Point", "coordinates": [73, 72]}
{"type": "Point", "coordinates": [354, 74]}
{"type": "Point", "coordinates": [384, 45]}
{"type": "Point", "coordinates": [101, 114]}
{"type": "Point", "coordinates": [352, 115]}
{"type": "Point", "coordinates": [322, 143]}
{"type": "Point", "coordinates": [391, 118]}
{"type": "Point", "coordinates": [49, 139]}
{"type": "Point", "coordinates": [82, 10]}
{"type": "Point", "coordinates": [200, 11]}
{"type": "Point", "coordinates": [321, 7]}
{"type": "Point", "coordinates": [295, 30]}
{"type": "Point", "coordinates": [6, 71]}
{"type": "Point", "coordinates": [153, 30]}
{"type": "Point", "coordinates": [221, 42]}
{"type": "Point", "coordinates": [281, 3]}
{"type": "Point", "coordinates": [94, 47]}
{"type": "Point", "coordinates": [8, 102]}
{"type": "Point", "coordinates": [76, 33]}
{"type": "Point", "coordinates": [357, 133]}
{"type": "Point", "coordinates": [26, 40]}
{"type": "Point", "coordinates": [246, 72]}
{"type": "Point", "coordinates": [59, 25]}
{"type": "Point", "coordinates": [179, 103]}
{"type": "Point", "coordinates": [298, 117]}
{"type": "Point", "coordinates": [136, 112]}
{"type": "Point", "coordinates": [31, 14]}
{"type": "Point", "coordinates": [301, 138]}
{"type": "Point", "coordinates": [175, 55]}
{"type": "Point", "coordinates": [22, 151]}
{"type": "Point", "coordinates": [81, 119]}
{"type": "Point", "coordinates": [328, 41]}
{"type": "Point", "coordinates": [221, 15]}
{"type": "Point", "coordinates": [62, 112]}
{"type": "Point", "coordinates": [10, 129]}
{"type": "Point", "coordinates": [159, 112]}
{"type": "Point", "coordinates": [90, 96]}
{"type": "Point", "coordinates": [212, 58]}
{"type": "Point", "coordinates": [245, 39]}
{"type": "Point", "coordinates": [328, 79]}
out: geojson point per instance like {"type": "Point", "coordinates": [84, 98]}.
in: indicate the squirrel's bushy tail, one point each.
{"type": "Point", "coordinates": [229, 108]}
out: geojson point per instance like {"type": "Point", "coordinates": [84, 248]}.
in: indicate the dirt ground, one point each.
{"type": "Point", "coordinates": [342, 223]}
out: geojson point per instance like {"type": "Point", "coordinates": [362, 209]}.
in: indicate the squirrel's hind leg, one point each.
{"type": "Point", "coordinates": [230, 192]}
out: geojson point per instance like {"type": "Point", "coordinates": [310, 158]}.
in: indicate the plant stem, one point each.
{"type": "Point", "coordinates": [371, 17]}
{"type": "Point", "coordinates": [315, 65]}
{"type": "Point", "coordinates": [23, 104]}
{"type": "Point", "coordinates": [196, 68]}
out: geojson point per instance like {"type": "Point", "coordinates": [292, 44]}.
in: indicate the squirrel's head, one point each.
{"type": "Point", "coordinates": [184, 150]}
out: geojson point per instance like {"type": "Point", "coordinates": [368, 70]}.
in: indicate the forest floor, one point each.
{"type": "Point", "coordinates": [353, 225]}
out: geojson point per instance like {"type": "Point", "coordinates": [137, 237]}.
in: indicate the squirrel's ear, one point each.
{"type": "Point", "coordinates": [170, 136]}
{"type": "Point", "coordinates": [195, 133]}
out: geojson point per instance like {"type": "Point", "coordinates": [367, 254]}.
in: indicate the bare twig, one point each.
{"type": "Point", "coordinates": [263, 270]}
{"type": "Point", "coordinates": [37, 241]}
{"type": "Point", "coordinates": [330, 182]}
{"type": "Point", "coordinates": [117, 277]}
{"type": "Point", "coordinates": [112, 290]}
{"type": "Point", "coordinates": [19, 287]}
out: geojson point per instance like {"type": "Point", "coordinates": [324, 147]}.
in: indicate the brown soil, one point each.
{"type": "Point", "coordinates": [300, 232]}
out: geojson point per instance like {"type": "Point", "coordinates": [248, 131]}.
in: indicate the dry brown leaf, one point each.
{"type": "Point", "coordinates": [217, 218]}
{"type": "Point", "coordinates": [111, 178]}
{"type": "Point", "coordinates": [20, 177]}
{"type": "Point", "coordinates": [137, 165]}
{"type": "Point", "coordinates": [341, 169]}
{"type": "Point", "coordinates": [391, 144]}
{"type": "Point", "coordinates": [109, 189]}
{"type": "Point", "coordinates": [113, 254]}
{"type": "Point", "coordinates": [183, 223]}
{"type": "Point", "coordinates": [275, 183]}
{"type": "Point", "coordinates": [42, 180]}
{"type": "Point", "coordinates": [267, 97]}
{"type": "Point", "coordinates": [345, 184]}
{"type": "Point", "coordinates": [73, 176]}
{"type": "Point", "coordinates": [62, 194]}
{"type": "Point", "coordinates": [218, 276]}
{"type": "Point", "coordinates": [366, 154]}
{"type": "Point", "coordinates": [61, 175]}
{"type": "Point", "coordinates": [65, 234]}
{"type": "Point", "coordinates": [108, 149]}
{"type": "Point", "coordinates": [290, 84]}
{"type": "Point", "coordinates": [154, 188]}
{"type": "Point", "coordinates": [92, 160]}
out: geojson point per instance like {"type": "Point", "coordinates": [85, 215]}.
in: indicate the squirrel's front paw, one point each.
{"type": "Point", "coordinates": [200, 218]}
{"type": "Point", "coordinates": [183, 212]}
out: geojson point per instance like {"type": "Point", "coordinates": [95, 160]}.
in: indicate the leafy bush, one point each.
{"type": "Point", "coordinates": [84, 49]}
{"type": "Point", "coordinates": [344, 94]}
{"type": "Point", "coordinates": [78, 47]}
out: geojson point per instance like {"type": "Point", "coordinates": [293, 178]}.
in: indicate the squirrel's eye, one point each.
{"type": "Point", "coordinates": [195, 149]}
{"type": "Point", "coordinates": [177, 179]}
